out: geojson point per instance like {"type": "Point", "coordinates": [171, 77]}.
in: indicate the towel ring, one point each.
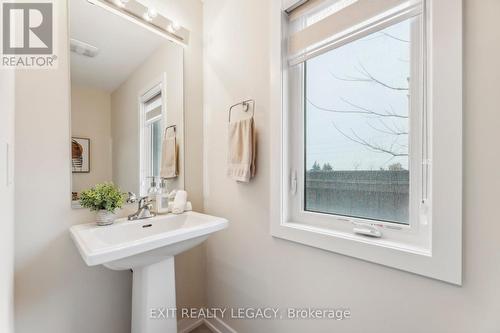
{"type": "Point", "coordinates": [246, 107]}
{"type": "Point", "coordinates": [169, 127]}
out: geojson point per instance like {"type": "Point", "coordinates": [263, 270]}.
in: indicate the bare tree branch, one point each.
{"type": "Point", "coordinates": [359, 111]}
{"type": "Point", "coordinates": [386, 114]}
{"type": "Point", "coordinates": [394, 37]}
{"type": "Point", "coordinates": [388, 129]}
{"type": "Point", "coordinates": [384, 34]}
{"type": "Point", "coordinates": [350, 78]}
{"type": "Point", "coordinates": [368, 78]}
{"type": "Point", "coordinates": [364, 71]}
{"type": "Point", "coordinates": [373, 147]}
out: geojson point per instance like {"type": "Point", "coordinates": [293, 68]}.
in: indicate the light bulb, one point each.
{"type": "Point", "coordinates": [150, 14]}
{"type": "Point", "coordinates": [121, 3]}
{"type": "Point", "coordinates": [173, 27]}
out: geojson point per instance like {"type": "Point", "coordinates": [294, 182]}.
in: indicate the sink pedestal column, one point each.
{"type": "Point", "coordinates": [153, 298]}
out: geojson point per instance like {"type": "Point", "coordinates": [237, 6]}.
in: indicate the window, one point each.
{"type": "Point", "coordinates": [152, 117]}
{"type": "Point", "coordinates": [357, 126]}
{"type": "Point", "coordinates": [358, 108]}
{"type": "Point", "coordinates": [363, 150]}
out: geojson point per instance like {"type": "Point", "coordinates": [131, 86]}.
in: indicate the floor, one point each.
{"type": "Point", "coordinates": [202, 329]}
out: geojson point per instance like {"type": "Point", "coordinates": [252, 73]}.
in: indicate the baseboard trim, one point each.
{"type": "Point", "coordinates": [216, 325]}
{"type": "Point", "coordinates": [188, 325]}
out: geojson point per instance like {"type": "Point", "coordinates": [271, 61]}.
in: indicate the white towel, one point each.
{"type": "Point", "coordinates": [242, 150]}
{"type": "Point", "coordinates": [169, 156]}
{"type": "Point", "coordinates": [188, 208]}
{"type": "Point", "coordinates": [180, 202]}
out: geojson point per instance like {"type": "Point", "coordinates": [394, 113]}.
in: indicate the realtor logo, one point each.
{"type": "Point", "coordinates": [28, 35]}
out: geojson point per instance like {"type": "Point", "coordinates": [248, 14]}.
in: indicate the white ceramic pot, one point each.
{"type": "Point", "coordinates": [105, 218]}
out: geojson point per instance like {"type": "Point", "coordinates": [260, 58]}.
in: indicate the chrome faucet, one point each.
{"type": "Point", "coordinates": [144, 210]}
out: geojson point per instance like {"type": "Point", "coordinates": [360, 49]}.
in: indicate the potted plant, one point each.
{"type": "Point", "coordinates": [104, 199]}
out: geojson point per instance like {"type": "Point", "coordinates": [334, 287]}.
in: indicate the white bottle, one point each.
{"type": "Point", "coordinates": [152, 192]}
{"type": "Point", "coordinates": [162, 198]}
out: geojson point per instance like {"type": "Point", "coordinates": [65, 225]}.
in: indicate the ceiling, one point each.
{"type": "Point", "coordinates": [123, 46]}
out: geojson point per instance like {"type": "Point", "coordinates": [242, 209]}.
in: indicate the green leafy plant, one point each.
{"type": "Point", "coordinates": [105, 196]}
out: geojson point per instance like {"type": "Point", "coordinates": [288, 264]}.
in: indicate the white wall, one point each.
{"type": "Point", "coordinates": [7, 201]}
{"type": "Point", "coordinates": [262, 271]}
{"type": "Point", "coordinates": [54, 291]}
{"type": "Point", "coordinates": [91, 119]}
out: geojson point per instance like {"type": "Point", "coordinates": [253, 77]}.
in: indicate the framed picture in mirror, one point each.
{"type": "Point", "coordinates": [80, 155]}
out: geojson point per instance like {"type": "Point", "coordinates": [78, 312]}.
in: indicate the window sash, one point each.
{"type": "Point", "coordinates": [415, 234]}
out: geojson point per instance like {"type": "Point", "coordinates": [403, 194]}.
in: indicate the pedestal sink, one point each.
{"type": "Point", "coordinates": [148, 248]}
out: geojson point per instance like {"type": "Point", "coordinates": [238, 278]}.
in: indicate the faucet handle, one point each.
{"type": "Point", "coordinates": [132, 198]}
{"type": "Point", "coordinates": [144, 201]}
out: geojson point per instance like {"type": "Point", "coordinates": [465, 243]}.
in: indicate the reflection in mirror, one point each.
{"type": "Point", "coordinates": [126, 90]}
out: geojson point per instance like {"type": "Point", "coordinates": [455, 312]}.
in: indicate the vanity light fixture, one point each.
{"type": "Point", "coordinates": [144, 16]}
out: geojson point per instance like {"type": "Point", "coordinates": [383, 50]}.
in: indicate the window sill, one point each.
{"type": "Point", "coordinates": [334, 234]}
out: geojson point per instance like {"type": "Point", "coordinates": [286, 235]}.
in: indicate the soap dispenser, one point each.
{"type": "Point", "coordinates": [152, 192]}
{"type": "Point", "coordinates": [162, 198]}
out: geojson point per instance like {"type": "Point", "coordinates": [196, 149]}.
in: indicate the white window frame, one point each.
{"type": "Point", "coordinates": [159, 87]}
{"type": "Point", "coordinates": [413, 237]}
{"type": "Point", "coordinates": [438, 253]}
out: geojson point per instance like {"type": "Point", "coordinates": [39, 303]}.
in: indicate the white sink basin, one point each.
{"type": "Point", "coordinates": [148, 248]}
{"type": "Point", "coordinates": [129, 244]}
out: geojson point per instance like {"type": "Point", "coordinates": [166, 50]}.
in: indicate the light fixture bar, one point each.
{"type": "Point", "coordinates": [134, 12]}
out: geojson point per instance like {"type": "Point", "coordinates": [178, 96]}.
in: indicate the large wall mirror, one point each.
{"type": "Point", "coordinates": [126, 103]}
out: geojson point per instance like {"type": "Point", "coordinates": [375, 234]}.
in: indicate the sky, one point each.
{"type": "Point", "coordinates": [332, 82]}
